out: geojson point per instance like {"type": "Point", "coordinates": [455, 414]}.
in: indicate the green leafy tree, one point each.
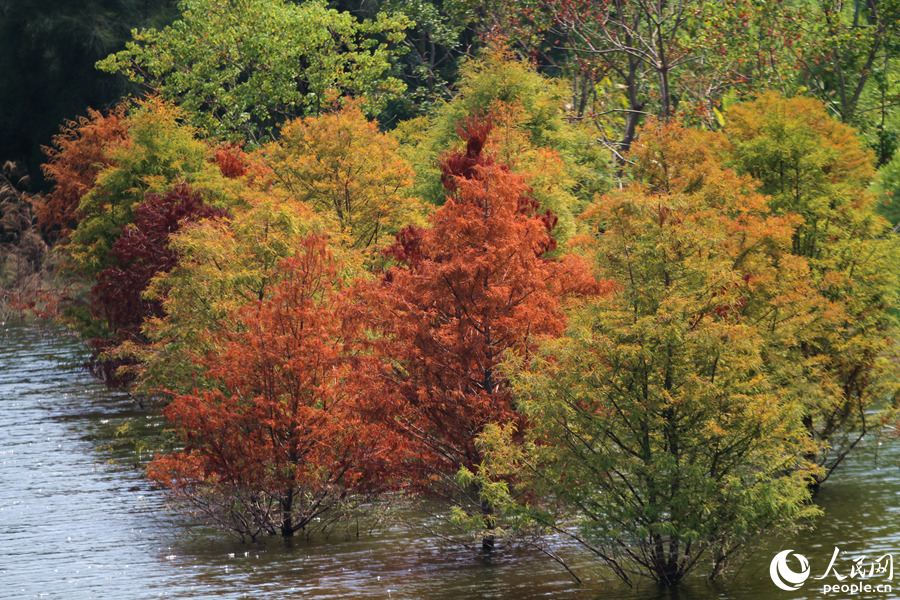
{"type": "Point", "coordinates": [630, 59]}
{"type": "Point", "coordinates": [242, 68]}
{"type": "Point", "coordinates": [887, 190]}
{"type": "Point", "coordinates": [435, 42]}
{"type": "Point", "coordinates": [691, 58]}
{"type": "Point", "coordinates": [847, 60]}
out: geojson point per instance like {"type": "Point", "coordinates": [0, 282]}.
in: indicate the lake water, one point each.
{"type": "Point", "coordinates": [73, 526]}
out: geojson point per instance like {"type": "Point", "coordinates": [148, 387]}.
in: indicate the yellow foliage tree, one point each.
{"type": "Point", "coordinates": [349, 172]}
{"type": "Point", "coordinates": [815, 167]}
{"type": "Point", "coordinates": [661, 423]}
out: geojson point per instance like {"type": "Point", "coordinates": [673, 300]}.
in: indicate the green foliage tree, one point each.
{"type": "Point", "coordinates": [434, 43]}
{"type": "Point", "coordinates": [887, 190]}
{"type": "Point", "coordinates": [656, 424]}
{"type": "Point", "coordinates": [630, 59]}
{"type": "Point", "coordinates": [690, 58]}
{"type": "Point", "coordinates": [847, 61]}
{"type": "Point", "coordinates": [242, 68]}
{"type": "Point", "coordinates": [815, 167]}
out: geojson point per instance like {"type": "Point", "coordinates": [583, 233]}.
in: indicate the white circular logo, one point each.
{"type": "Point", "coordinates": [783, 576]}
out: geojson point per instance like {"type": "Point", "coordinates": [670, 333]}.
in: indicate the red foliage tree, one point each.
{"type": "Point", "coordinates": [232, 160]}
{"type": "Point", "coordinates": [140, 254]}
{"type": "Point", "coordinates": [468, 290]}
{"type": "Point", "coordinates": [281, 449]}
{"type": "Point", "coordinates": [80, 151]}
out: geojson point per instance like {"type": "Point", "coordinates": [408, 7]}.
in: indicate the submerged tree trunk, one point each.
{"type": "Point", "coordinates": [287, 521]}
{"type": "Point", "coordinates": [488, 540]}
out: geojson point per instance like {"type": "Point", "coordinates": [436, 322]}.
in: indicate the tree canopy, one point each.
{"type": "Point", "coordinates": [815, 167]}
{"type": "Point", "coordinates": [660, 426]}
{"type": "Point", "coordinates": [241, 69]}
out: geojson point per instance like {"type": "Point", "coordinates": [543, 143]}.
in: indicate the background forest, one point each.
{"type": "Point", "coordinates": [620, 271]}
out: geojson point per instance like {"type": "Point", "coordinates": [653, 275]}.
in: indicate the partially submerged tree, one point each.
{"type": "Point", "coordinates": [469, 289]}
{"type": "Point", "coordinates": [147, 152]}
{"type": "Point", "coordinates": [279, 448]}
{"type": "Point", "coordinates": [815, 167]}
{"type": "Point", "coordinates": [658, 426]}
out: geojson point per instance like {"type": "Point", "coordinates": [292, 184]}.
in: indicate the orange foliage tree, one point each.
{"type": "Point", "coordinates": [80, 151]}
{"type": "Point", "coordinates": [278, 448]}
{"type": "Point", "coordinates": [469, 290]}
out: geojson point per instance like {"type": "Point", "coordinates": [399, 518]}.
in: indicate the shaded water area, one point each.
{"type": "Point", "coordinates": [74, 527]}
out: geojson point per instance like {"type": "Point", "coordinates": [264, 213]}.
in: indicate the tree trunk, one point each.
{"type": "Point", "coordinates": [287, 521]}
{"type": "Point", "coordinates": [488, 541]}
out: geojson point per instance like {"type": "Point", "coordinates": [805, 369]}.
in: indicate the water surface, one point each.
{"type": "Point", "coordinates": [74, 527]}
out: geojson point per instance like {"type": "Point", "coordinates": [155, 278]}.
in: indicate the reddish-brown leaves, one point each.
{"type": "Point", "coordinates": [140, 253]}
{"type": "Point", "coordinates": [285, 426]}
{"type": "Point", "coordinates": [456, 165]}
{"type": "Point", "coordinates": [80, 152]}
{"type": "Point", "coordinates": [470, 289]}
{"type": "Point", "coordinates": [232, 160]}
